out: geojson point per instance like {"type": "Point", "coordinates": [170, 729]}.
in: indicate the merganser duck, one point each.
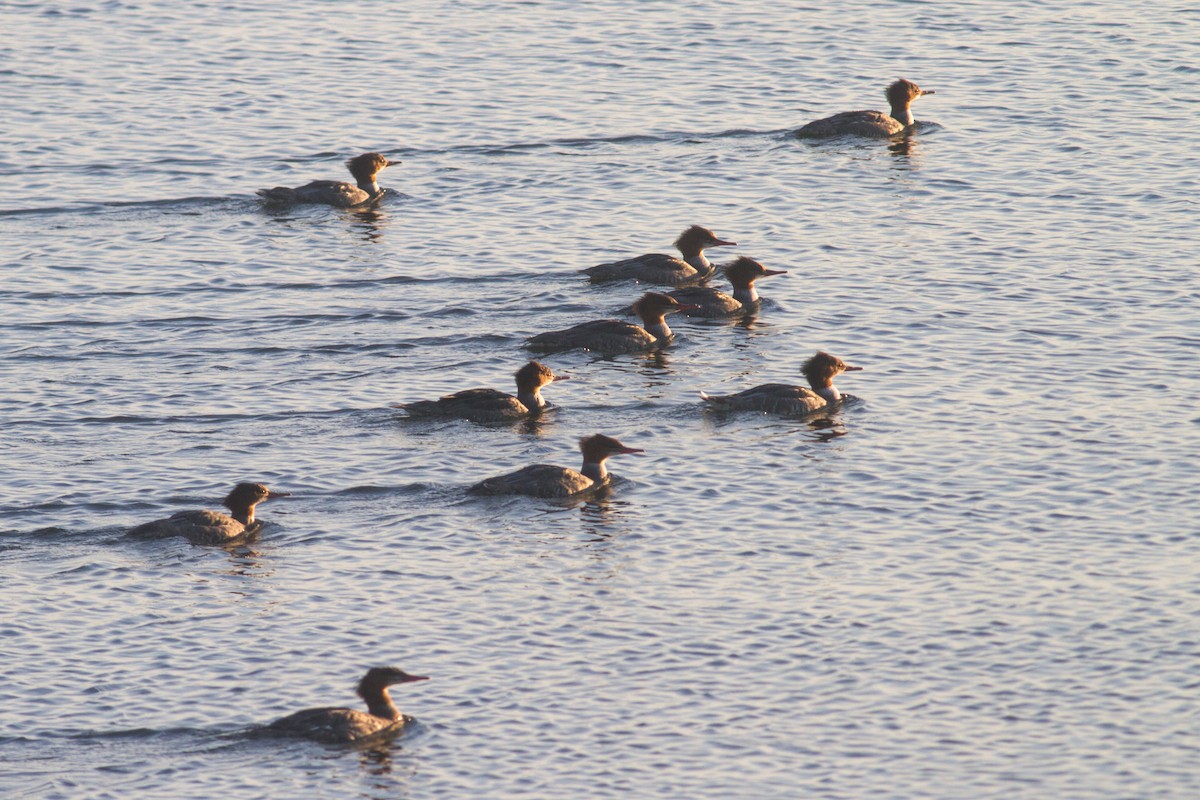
{"type": "Point", "coordinates": [874, 124]}
{"type": "Point", "coordinates": [782, 398]}
{"type": "Point", "coordinates": [544, 480]}
{"type": "Point", "coordinates": [710, 302]}
{"type": "Point", "coordinates": [213, 527]}
{"type": "Point", "coordinates": [613, 336]}
{"type": "Point", "coordinates": [491, 405]}
{"type": "Point", "coordinates": [346, 725]}
{"type": "Point", "coordinates": [364, 168]}
{"type": "Point", "coordinates": [664, 269]}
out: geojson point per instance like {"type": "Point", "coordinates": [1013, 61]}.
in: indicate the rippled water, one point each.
{"type": "Point", "coordinates": [976, 579]}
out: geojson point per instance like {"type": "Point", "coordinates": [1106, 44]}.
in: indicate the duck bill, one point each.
{"type": "Point", "coordinates": [412, 678]}
{"type": "Point", "coordinates": [560, 378]}
{"type": "Point", "coordinates": [686, 307]}
{"type": "Point", "coordinates": [631, 451]}
{"type": "Point", "coordinates": [927, 91]}
{"type": "Point", "coordinates": [271, 495]}
{"type": "Point", "coordinates": [722, 243]}
{"type": "Point", "coordinates": [771, 272]}
{"type": "Point", "coordinates": [852, 369]}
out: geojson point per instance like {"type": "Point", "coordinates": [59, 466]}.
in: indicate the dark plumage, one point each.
{"type": "Point", "coordinates": [546, 480]}
{"type": "Point", "coordinates": [213, 527]}
{"type": "Point", "coordinates": [782, 398]}
{"type": "Point", "coordinates": [614, 336]}
{"type": "Point", "coordinates": [874, 124]}
{"type": "Point", "coordinates": [347, 725]}
{"type": "Point", "coordinates": [490, 405]}
{"type": "Point", "coordinates": [664, 269]}
{"type": "Point", "coordinates": [364, 168]}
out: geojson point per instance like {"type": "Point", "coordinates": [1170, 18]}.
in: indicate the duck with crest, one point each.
{"type": "Point", "coordinates": [213, 527]}
{"type": "Point", "coordinates": [546, 480]}
{"type": "Point", "coordinates": [663, 269]}
{"type": "Point", "coordinates": [614, 336]}
{"type": "Point", "coordinates": [340, 194]}
{"type": "Point", "coordinates": [491, 405]}
{"type": "Point", "coordinates": [710, 302]}
{"type": "Point", "coordinates": [783, 398]}
{"type": "Point", "coordinates": [873, 124]}
{"type": "Point", "coordinates": [348, 725]}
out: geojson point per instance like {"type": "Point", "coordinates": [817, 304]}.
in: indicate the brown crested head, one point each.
{"type": "Point", "coordinates": [368, 165]}
{"type": "Point", "coordinates": [598, 447]}
{"type": "Point", "coordinates": [381, 677]}
{"type": "Point", "coordinates": [822, 368]}
{"type": "Point", "coordinates": [247, 495]}
{"type": "Point", "coordinates": [535, 375]}
{"type": "Point", "coordinates": [652, 305]}
{"type": "Point", "coordinates": [745, 271]}
{"type": "Point", "coordinates": [903, 91]}
{"type": "Point", "coordinates": [697, 238]}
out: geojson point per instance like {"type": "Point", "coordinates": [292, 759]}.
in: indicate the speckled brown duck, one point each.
{"type": "Point", "coordinates": [783, 398]}
{"type": "Point", "coordinates": [365, 168]}
{"type": "Point", "coordinates": [662, 269]}
{"type": "Point", "coordinates": [546, 480]}
{"type": "Point", "coordinates": [348, 725]}
{"type": "Point", "coordinates": [874, 124]}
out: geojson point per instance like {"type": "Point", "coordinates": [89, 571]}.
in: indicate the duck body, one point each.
{"type": "Point", "coordinates": [547, 480]}
{"type": "Point", "coordinates": [198, 527]}
{"type": "Point", "coordinates": [662, 269]}
{"type": "Point", "coordinates": [339, 194]}
{"type": "Point", "coordinates": [614, 336]}
{"type": "Point", "coordinates": [537, 480]}
{"type": "Point", "coordinates": [870, 124]}
{"type": "Point", "coordinates": [608, 336]}
{"type": "Point", "coordinates": [657, 268]}
{"type": "Point", "coordinates": [709, 302]}
{"type": "Point", "coordinates": [337, 725]}
{"type": "Point", "coordinates": [771, 398]}
{"type": "Point", "coordinates": [476, 405]}
{"type": "Point", "coordinates": [789, 399]}
{"type": "Point", "coordinates": [348, 725]}
{"type": "Point", "coordinates": [213, 527]}
{"type": "Point", "coordinates": [491, 405]}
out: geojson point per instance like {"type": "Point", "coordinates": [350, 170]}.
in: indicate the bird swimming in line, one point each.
{"type": "Point", "coordinates": [340, 194]}
{"type": "Point", "coordinates": [873, 124]}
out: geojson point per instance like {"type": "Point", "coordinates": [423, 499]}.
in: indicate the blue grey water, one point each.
{"type": "Point", "coordinates": [975, 580]}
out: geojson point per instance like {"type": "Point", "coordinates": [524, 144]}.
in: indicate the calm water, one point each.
{"type": "Point", "coordinates": [976, 580]}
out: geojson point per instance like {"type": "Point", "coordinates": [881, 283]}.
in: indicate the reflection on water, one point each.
{"type": "Point", "coordinates": [537, 424]}
{"type": "Point", "coordinates": [828, 424]}
{"type": "Point", "coordinates": [654, 362]}
{"type": "Point", "coordinates": [904, 146]}
{"type": "Point", "coordinates": [371, 223]}
{"type": "Point", "coordinates": [824, 424]}
{"type": "Point", "coordinates": [604, 508]}
{"type": "Point", "coordinates": [747, 320]}
{"type": "Point", "coordinates": [388, 771]}
{"type": "Point", "coordinates": [246, 562]}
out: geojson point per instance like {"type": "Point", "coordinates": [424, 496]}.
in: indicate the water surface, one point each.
{"type": "Point", "coordinates": [974, 580]}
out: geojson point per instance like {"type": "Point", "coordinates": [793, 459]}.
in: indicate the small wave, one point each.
{"type": "Point", "coordinates": [194, 289]}
{"type": "Point", "coordinates": [113, 206]}
{"type": "Point", "coordinates": [145, 733]}
{"type": "Point", "coordinates": [173, 419]}
{"type": "Point", "coordinates": [587, 142]}
{"type": "Point", "coordinates": [372, 490]}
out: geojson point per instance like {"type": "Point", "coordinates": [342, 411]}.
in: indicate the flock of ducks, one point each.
{"type": "Point", "coordinates": [608, 336]}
